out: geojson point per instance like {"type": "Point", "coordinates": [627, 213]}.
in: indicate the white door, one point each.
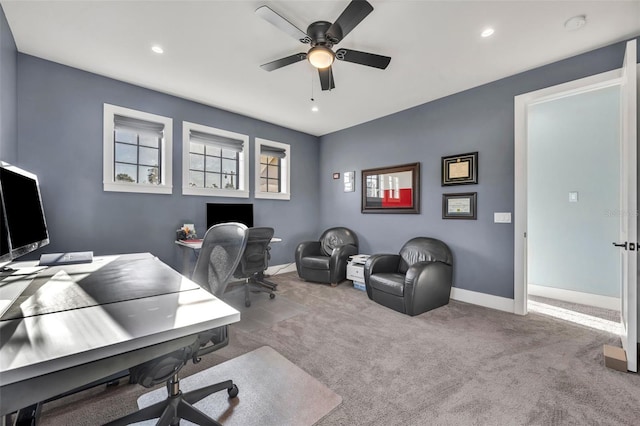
{"type": "Point", "coordinates": [628, 239]}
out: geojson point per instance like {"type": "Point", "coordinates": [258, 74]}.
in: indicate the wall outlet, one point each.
{"type": "Point", "coordinates": [502, 217]}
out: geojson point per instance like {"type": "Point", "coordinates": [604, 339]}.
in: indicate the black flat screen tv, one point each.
{"type": "Point", "coordinates": [23, 212]}
{"type": "Point", "coordinates": [228, 212]}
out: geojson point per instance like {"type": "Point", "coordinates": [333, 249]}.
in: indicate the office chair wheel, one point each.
{"type": "Point", "coordinates": [233, 391]}
{"type": "Point", "coordinates": [272, 296]}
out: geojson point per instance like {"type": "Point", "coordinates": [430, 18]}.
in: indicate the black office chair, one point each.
{"type": "Point", "coordinates": [254, 262]}
{"type": "Point", "coordinates": [222, 248]}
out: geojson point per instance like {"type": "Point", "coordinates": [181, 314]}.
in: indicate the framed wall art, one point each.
{"type": "Point", "coordinates": [460, 169]}
{"type": "Point", "coordinates": [459, 206]}
{"type": "Point", "coordinates": [349, 181]}
{"type": "Point", "coordinates": [394, 189]}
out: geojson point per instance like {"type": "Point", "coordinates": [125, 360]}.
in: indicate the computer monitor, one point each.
{"type": "Point", "coordinates": [5, 247]}
{"type": "Point", "coordinates": [227, 212]}
{"type": "Point", "coordinates": [23, 212]}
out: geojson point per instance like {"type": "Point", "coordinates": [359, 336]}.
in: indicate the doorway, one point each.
{"type": "Point", "coordinates": [573, 203]}
{"type": "Point", "coordinates": [530, 109]}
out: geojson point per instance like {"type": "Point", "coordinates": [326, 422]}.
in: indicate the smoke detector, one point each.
{"type": "Point", "coordinates": [575, 23]}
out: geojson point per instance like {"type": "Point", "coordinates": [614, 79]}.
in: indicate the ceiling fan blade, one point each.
{"type": "Point", "coordinates": [283, 62]}
{"type": "Point", "coordinates": [282, 24]}
{"type": "Point", "coordinates": [355, 12]}
{"type": "Point", "coordinates": [363, 58]}
{"type": "Point", "coordinates": [326, 78]}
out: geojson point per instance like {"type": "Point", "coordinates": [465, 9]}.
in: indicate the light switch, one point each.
{"type": "Point", "coordinates": [573, 197]}
{"type": "Point", "coordinates": [502, 217]}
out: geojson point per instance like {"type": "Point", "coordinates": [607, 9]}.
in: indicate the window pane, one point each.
{"type": "Point", "coordinates": [125, 173]}
{"type": "Point", "coordinates": [196, 179]}
{"type": "Point", "coordinates": [229, 154]}
{"type": "Point", "coordinates": [213, 150]}
{"type": "Point", "coordinates": [196, 162]}
{"type": "Point", "coordinates": [149, 175]}
{"type": "Point", "coordinates": [263, 185]}
{"type": "Point", "coordinates": [273, 172]}
{"type": "Point", "coordinates": [213, 180]}
{"type": "Point", "coordinates": [229, 166]}
{"type": "Point", "coordinates": [263, 171]}
{"type": "Point", "coordinates": [149, 156]}
{"type": "Point", "coordinates": [213, 164]}
{"type": "Point", "coordinates": [230, 181]}
{"type": "Point", "coordinates": [126, 136]}
{"type": "Point", "coordinates": [264, 159]}
{"type": "Point", "coordinates": [148, 140]}
{"type": "Point", "coordinates": [196, 148]}
{"type": "Point", "coordinates": [126, 153]}
{"type": "Point", "coordinates": [272, 186]}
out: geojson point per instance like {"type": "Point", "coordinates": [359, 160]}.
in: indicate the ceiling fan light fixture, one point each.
{"type": "Point", "coordinates": [320, 56]}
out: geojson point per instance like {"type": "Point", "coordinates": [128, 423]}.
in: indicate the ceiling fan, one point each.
{"type": "Point", "coordinates": [322, 36]}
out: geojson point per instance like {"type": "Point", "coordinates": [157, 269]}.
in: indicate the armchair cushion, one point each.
{"type": "Point", "coordinates": [316, 262]}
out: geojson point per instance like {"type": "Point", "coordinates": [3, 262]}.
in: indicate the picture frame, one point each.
{"type": "Point", "coordinates": [349, 179]}
{"type": "Point", "coordinates": [461, 169]}
{"type": "Point", "coordinates": [394, 189]}
{"type": "Point", "coordinates": [459, 205]}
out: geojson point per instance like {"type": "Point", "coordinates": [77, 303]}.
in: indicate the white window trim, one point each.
{"type": "Point", "coordinates": [285, 167]}
{"type": "Point", "coordinates": [108, 179]}
{"type": "Point", "coordinates": [243, 162]}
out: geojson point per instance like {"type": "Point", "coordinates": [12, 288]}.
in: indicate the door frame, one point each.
{"type": "Point", "coordinates": [521, 109]}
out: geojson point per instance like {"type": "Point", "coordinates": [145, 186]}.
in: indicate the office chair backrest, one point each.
{"type": "Point", "coordinates": [256, 254]}
{"type": "Point", "coordinates": [222, 249]}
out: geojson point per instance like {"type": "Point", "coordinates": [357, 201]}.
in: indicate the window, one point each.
{"type": "Point", "coordinates": [136, 151]}
{"type": "Point", "coordinates": [214, 162]}
{"type": "Point", "coordinates": [272, 170]}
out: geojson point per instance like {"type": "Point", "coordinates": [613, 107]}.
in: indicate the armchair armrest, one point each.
{"type": "Point", "coordinates": [381, 263]}
{"type": "Point", "coordinates": [304, 249]}
{"type": "Point", "coordinates": [338, 262]}
{"type": "Point", "coordinates": [427, 286]}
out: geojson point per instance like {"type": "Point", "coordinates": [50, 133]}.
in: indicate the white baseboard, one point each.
{"type": "Point", "coordinates": [281, 269]}
{"type": "Point", "coordinates": [482, 299]}
{"type": "Point", "coordinates": [589, 299]}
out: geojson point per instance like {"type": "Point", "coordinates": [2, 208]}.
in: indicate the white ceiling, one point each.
{"type": "Point", "coordinates": [213, 49]}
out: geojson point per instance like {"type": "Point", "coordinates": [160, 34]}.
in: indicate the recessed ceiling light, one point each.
{"type": "Point", "coordinates": [487, 32]}
{"type": "Point", "coordinates": [314, 108]}
{"type": "Point", "coordinates": [575, 22]}
{"type": "Point", "coordinates": [157, 49]}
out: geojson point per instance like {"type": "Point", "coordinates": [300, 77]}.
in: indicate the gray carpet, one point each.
{"type": "Point", "coordinates": [273, 391]}
{"type": "Point", "coordinates": [457, 365]}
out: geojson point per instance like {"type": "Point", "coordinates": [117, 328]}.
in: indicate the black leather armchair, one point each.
{"type": "Point", "coordinates": [415, 281]}
{"type": "Point", "coordinates": [325, 261]}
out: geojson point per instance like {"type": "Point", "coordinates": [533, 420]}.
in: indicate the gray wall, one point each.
{"type": "Point", "coordinates": [573, 146]}
{"type": "Point", "coordinates": [60, 120]}
{"type": "Point", "coordinates": [480, 119]}
{"type": "Point", "coordinates": [8, 93]}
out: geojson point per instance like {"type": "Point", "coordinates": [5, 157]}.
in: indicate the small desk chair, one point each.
{"type": "Point", "coordinates": [254, 262]}
{"type": "Point", "coordinates": [222, 248]}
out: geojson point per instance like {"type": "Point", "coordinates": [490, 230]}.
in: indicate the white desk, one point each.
{"type": "Point", "coordinates": [190, 250]}
{"type": "Point", "coordinates": [49, 345]}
